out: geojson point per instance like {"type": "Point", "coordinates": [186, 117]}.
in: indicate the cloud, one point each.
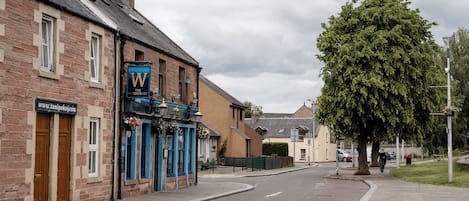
{"type": "Point", "coordinates": [276, 91]}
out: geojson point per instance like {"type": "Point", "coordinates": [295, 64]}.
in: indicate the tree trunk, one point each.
{"type": "Point", "coordinates": [374, 154]}
{"type": "Point", "coordinates": [362, 156]}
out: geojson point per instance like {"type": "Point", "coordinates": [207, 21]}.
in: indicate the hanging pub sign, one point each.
{"type": "Point", "coordinates": [56, 107]}
{"type": "Point", "coordinates": [138, 82]}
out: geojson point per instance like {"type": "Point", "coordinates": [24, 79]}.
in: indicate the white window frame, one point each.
{"type": "Point", "coordinates": [302, 153]}
{"type": "Point", "coordinates": [95, 59]}
{"type": "Point", "coordinates": [93, 148]}
{"type": "Point", "coordinates": [47, 43]}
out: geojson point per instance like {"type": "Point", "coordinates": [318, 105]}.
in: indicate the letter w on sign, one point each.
{"type": "Point", "coordinates": [138, 82]}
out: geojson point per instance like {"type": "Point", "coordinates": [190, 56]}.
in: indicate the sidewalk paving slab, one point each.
{"type": "Point", "coordinates": [384, 187]}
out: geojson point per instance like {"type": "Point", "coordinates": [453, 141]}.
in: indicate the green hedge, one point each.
{"type": "Point", "coordinates": [275, 148]}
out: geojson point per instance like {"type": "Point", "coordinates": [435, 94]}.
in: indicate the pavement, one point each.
{"type": "Point", "coordinates": [383, 187]}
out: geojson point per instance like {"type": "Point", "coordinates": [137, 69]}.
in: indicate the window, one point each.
{"type": "Point", "coordinates": [182, 88]}
{"type": "Point", "coordinates": [202, 145]}
{"type": "Point", "coordinates": [170, 159]}
{"type": "Point", "coordinates": [162, 77]}
{"type": "Point", "coordinates": [139, 55]}
{"type": "Point", "coordinates": [301, 137]}
{"type": "Point", "coordinates": [240, 114]}
{"type": "Point", "coordinates": [190, 147]}
{"type": "Point", "coordinates": [130, 155]}
{"type": "Point", "coordinates": [145, 151]}
{"type": "Point", "coordinates": [94, 59]}
{"type": "Point", "coordinates": [181, 143]}
{"type": "Point", "coordinates": [303, 153]}
{"type": "Point", "coordinates": [47, 46]}
{"type": "Point", "coordinates": [93, 148]}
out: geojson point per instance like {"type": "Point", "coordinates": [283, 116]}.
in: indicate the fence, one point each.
{"type": "Point", "coordinates": [265, 163]}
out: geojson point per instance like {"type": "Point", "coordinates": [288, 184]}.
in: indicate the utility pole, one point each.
{"type": "Point", "coordinates": [448, 107]}
{"type": "Point", "coordinates": [398, 156]}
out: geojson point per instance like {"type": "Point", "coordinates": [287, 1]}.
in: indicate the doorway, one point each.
{"type": "Point", "coordinates": [63, 170]}
{"type": "Point", "coordinates": [41, 167]}
{"type": "Point", "coordinates": [43, 155]}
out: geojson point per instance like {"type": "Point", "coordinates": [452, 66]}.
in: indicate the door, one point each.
{"type": "Point", "coordinates": [41, 165]}
{"type": "Point", "coordinates": [63, 170]}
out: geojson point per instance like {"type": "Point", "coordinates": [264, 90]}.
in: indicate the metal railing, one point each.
{"type": "Point", "coordinates": [264, 163]}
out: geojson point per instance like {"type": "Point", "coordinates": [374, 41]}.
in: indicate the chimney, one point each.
{"type": "Point", "coordinates": [129, 3]}
{"type": "Point", "coordinates": [255, 115]}
{"type": "Point", "coordinates": [314, 106]}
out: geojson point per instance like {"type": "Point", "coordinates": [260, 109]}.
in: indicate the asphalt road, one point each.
{"type": "Point", "coordinates": [304, 185]}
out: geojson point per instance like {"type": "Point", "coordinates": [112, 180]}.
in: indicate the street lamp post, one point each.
{"type": "Point", "coordinates": [450, 137]}
{"type": "Point", "coordinates": [313, 131]}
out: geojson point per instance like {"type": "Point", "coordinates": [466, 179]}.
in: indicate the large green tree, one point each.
{"type": "Point", "coordinates": [380, 59]}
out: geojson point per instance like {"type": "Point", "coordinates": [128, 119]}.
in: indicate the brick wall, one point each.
{"type": "Point", "coordinates": [21, 83]}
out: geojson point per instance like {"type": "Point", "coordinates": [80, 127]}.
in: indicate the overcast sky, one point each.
{"type": "Point", "coordinates": [264, 51]}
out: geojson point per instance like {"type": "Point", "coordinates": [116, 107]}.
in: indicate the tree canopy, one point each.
{"type": "Point", "coordinates": [380, 60]}
{"type": "Point", "coordinates": [250, 108]}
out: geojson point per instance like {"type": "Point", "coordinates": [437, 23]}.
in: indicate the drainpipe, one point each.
{"type": "Point", "coordinates": [114, 119]}
{"type": "Point", "coordinates": [196, 126]}
{"type": "Point", "coordinates": [121, 102]}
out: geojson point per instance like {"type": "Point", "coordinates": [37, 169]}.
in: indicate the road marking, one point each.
{"type": "Point", "coordinates": [274, 194]}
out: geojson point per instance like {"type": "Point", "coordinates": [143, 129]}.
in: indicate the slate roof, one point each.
{"type": "Point", "coordinates": [212, 131]}
{"type": "Point", "coordinates": [280, 127]}
{"type": "Point", "coordinates": [276, 115]}
{"type": "Point", "coordinates": [77, 8]}
{"type": "Point", "coordinates": [130, 23]}
{"type": "Point", "coordinates": [235, 102]}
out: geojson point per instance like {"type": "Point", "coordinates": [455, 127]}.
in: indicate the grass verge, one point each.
{"type": "Point", "coordinates": [435, 173]}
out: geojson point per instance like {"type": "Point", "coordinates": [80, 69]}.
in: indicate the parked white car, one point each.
{"type": "Point", "coordinates": [342, 155]}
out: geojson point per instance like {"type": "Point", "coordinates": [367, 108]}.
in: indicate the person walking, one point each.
{"type": "Point", "coordinates": [382, 159]}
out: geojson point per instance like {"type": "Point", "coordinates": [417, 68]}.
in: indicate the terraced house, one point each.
{"type": "Point", "coordinates": [96, 103]}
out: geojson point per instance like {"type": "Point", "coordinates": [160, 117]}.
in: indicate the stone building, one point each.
{"type": "Point", "coordinates": [74, 76]}
{"type": "Point", "coordinates": [56, 102]}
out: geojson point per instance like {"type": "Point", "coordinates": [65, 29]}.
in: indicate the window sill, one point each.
{"type": "Point", "coordinates": [49, 75]}
{"type": "Point", "coordinates": [145, 180]}
{"type": "Point", "coordinates": [130, 182]}
{"type": "Point", "coordinates": [94, 180]}
{"type": "Point", "coordinates": [97, 85]}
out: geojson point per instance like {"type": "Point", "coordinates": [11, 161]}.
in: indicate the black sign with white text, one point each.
{"type": "Point", "coordinates": [56, 107]}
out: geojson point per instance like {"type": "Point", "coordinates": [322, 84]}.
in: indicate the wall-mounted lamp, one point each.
{"type": "Point", "coordinates": [194, 102]}
{"type": "Point", "coordinates": [197, 116]}
{"type": "Point", "coordinates": [162, 108]}
{"type": "Point", "coordinates": [156, 91]}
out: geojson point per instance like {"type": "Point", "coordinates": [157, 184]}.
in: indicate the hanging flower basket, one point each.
{"type": "Point", "coordinates": [203, 133]}
{"type": "Point", "coordinates": [131, 122]}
